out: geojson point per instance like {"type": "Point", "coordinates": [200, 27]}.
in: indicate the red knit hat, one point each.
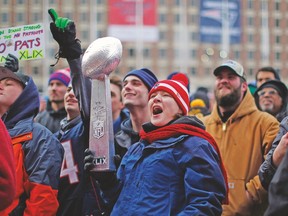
{"type": "Point", "coordinates": [177, 89]}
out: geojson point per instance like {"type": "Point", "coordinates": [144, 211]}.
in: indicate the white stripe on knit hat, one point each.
{"type": "Point", "coordinates": [181, 85]}
{"type": "Point", "coordinates": [175, 92]}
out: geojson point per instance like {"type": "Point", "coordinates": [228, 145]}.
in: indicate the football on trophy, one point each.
{"type": "Point", "coordinates": [101, 57]}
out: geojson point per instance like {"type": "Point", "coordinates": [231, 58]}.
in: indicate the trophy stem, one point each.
{"type": "Point", "coordinates": [101, 137]}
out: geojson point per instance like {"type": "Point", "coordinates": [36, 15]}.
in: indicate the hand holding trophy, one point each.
{"type": "Point", "coordinates": [99, 60]}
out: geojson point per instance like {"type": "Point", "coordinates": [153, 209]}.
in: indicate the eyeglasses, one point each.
{"type": "Point", "coordinates": [271, 92]}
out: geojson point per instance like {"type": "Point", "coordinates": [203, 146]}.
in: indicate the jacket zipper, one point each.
{"type": "Point", "coordinates": [224, 126]}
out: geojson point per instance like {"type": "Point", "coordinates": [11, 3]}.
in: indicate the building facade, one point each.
{"type": "Point", "coordinates": [263, 37]}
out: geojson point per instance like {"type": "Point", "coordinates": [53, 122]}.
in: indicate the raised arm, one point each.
{"type": "Point", "coordinates": [64, 32]}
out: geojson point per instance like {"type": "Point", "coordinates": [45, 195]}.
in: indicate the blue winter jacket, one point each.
{"type": "Point", "coordinates": [175, 176]}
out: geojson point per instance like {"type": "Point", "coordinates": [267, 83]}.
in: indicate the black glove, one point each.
{"type": "Point", "coordinates": [106, 179]}
{"type": "Point", "coordinates": [64, 32]}
{"type": "Point", "coordinates": [12, 63]}
{"type": "Point", "coordinates": [89, 159]}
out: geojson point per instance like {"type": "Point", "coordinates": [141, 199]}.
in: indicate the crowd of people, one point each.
{"type": "Point", "coordinates": [176, 152]}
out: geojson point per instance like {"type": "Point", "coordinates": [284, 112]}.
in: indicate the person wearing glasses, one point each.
{"type": "Point", "coordinates": [271, 97]}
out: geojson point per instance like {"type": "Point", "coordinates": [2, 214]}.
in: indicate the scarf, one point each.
{"type": "Point", "coordinates": [174, 130]}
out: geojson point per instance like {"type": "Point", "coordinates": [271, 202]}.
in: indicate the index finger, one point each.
{"type": "Point", "coordinates": [53, 14]}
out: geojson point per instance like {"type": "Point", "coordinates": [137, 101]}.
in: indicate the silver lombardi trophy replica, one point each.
{"type": "Point", "coordinates": [99, 60]}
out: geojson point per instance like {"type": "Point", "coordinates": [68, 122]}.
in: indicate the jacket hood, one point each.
{"type": "Point", "coordinates": [246, 107]}
{"type": "Point", "coordinates": [192, 120]}
{"type": "Point", "coordinates": [25, 106]}
{"type": "Point", "coordinates": [126, 126]}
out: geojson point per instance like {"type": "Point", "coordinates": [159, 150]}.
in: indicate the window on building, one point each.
{"type": "Point", "coordinates": [177, 35]}
{"type": "Point", "coordinates": [35, 70]}
{"type": "Point", "coordinates": [193, 3]}
{"type": "Point", "coordinates": [193, 19]}
{"type": "Point", "coordinates": [251, 55]}
{"type": "Point", "coordinates": [193, 71]}
{"type": "Point", "coordinates": [277, 6]}
{"type": "Point", "coordinates": [162, 35]}
{"type": "Point", "coordinates": [177, 18]}
{"type": "Point", "coordinates": [4, 17]}
{"type": "Point", "coordinates": [176, 53]}
{"type": "Point", "coordinates": [37, 1]}
{"type": "Point", "coordinates": [52, 1]}
{"type": "Point", "coordinates": [250, 71]}
{"type": "Point", "coordinates": [277, 39]}
{"type": "Point", "coordinates": [194, 36]}
{"type": "Point", "coordinates": [193, 53]}
{"type": "Point", "coordinates": [99, 17]}
{"type": "Point", "coordinates": [277, 56]}
{"type": "Point", "coordinates": [84, 35]}
{"type": "Point", "coordinates": [162, 18]}
{"type": "Point", "coordinates": [40, 88]}
{"type": "Point", "coordinates": [20, 1]}
{"type": "Point", "coordinates": [84, 1]}
{"type": "Point", "coordinates": [177, 2]}
{"type": "Point", "coordinates": [250, 21]}
{"type": "Point", "coordinates": [99, 1]}
{"type": "Point", "coordinates": [20, 17]}
{"type": "Point", "coordinates": [162, 2]}
{"type": "Point", "coordinates": [250, 38]}
{"type": "Point", "coordinates": [236, 54]}
{"type": "Point", "coordinates": [277, 22]}
{"type": "Point", "coordinates": [69, 15]}
{"type": "Point", "coordinates": [208, 71]}
{"type": "Point", "coordinates": [162, 53]}
{"type": "Point", "coordinates": [36, 17]}
{"type": "Point", "coordinates": [146, 53]}
{"type": "Point", "coordinates": [5, 2]}
{"type": "Point", "coordinates": [83, 17]}
{"type": "Point", "coordinates": [100, 33]}
{"type": "Point", "coordinates": [250, 4]}
{"type": "Point", "coordinates": [131, 52]}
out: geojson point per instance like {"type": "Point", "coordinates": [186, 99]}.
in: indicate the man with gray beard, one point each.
{"type": "Point", "coordinates": [244, 136]}
{"type": "Point", "coordinates": [271, 97]}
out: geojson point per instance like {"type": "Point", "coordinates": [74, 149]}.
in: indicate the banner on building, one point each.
{"type": "Point", "coordinates": [26, 42]}
{"type": "Point", "coordinates": [213, 16]}
{"type": "Point", "coordinates": [131, 20]}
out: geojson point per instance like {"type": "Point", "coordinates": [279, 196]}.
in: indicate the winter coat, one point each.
{"type": "Point", "coordinates": [268, 169]}
{"type": "Point", "coordinates": [51, 119]}
{"type": "Point", "coordinates": [38, 157]}
{"type": "Point", "coordinates": [7, 168]}
{"type": "Point", "coordinates": [278, 191]}
{"type": "Point", "coordinates": [74, 182]}
{"type": "Point", "coordinates": [124, 114]}
{"type": "Point", "coordinates": [178, 175]}
{"type": "Point", "coordinates": [125, 137]}
{"type": "Point", "coordinates": [244, 140]}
